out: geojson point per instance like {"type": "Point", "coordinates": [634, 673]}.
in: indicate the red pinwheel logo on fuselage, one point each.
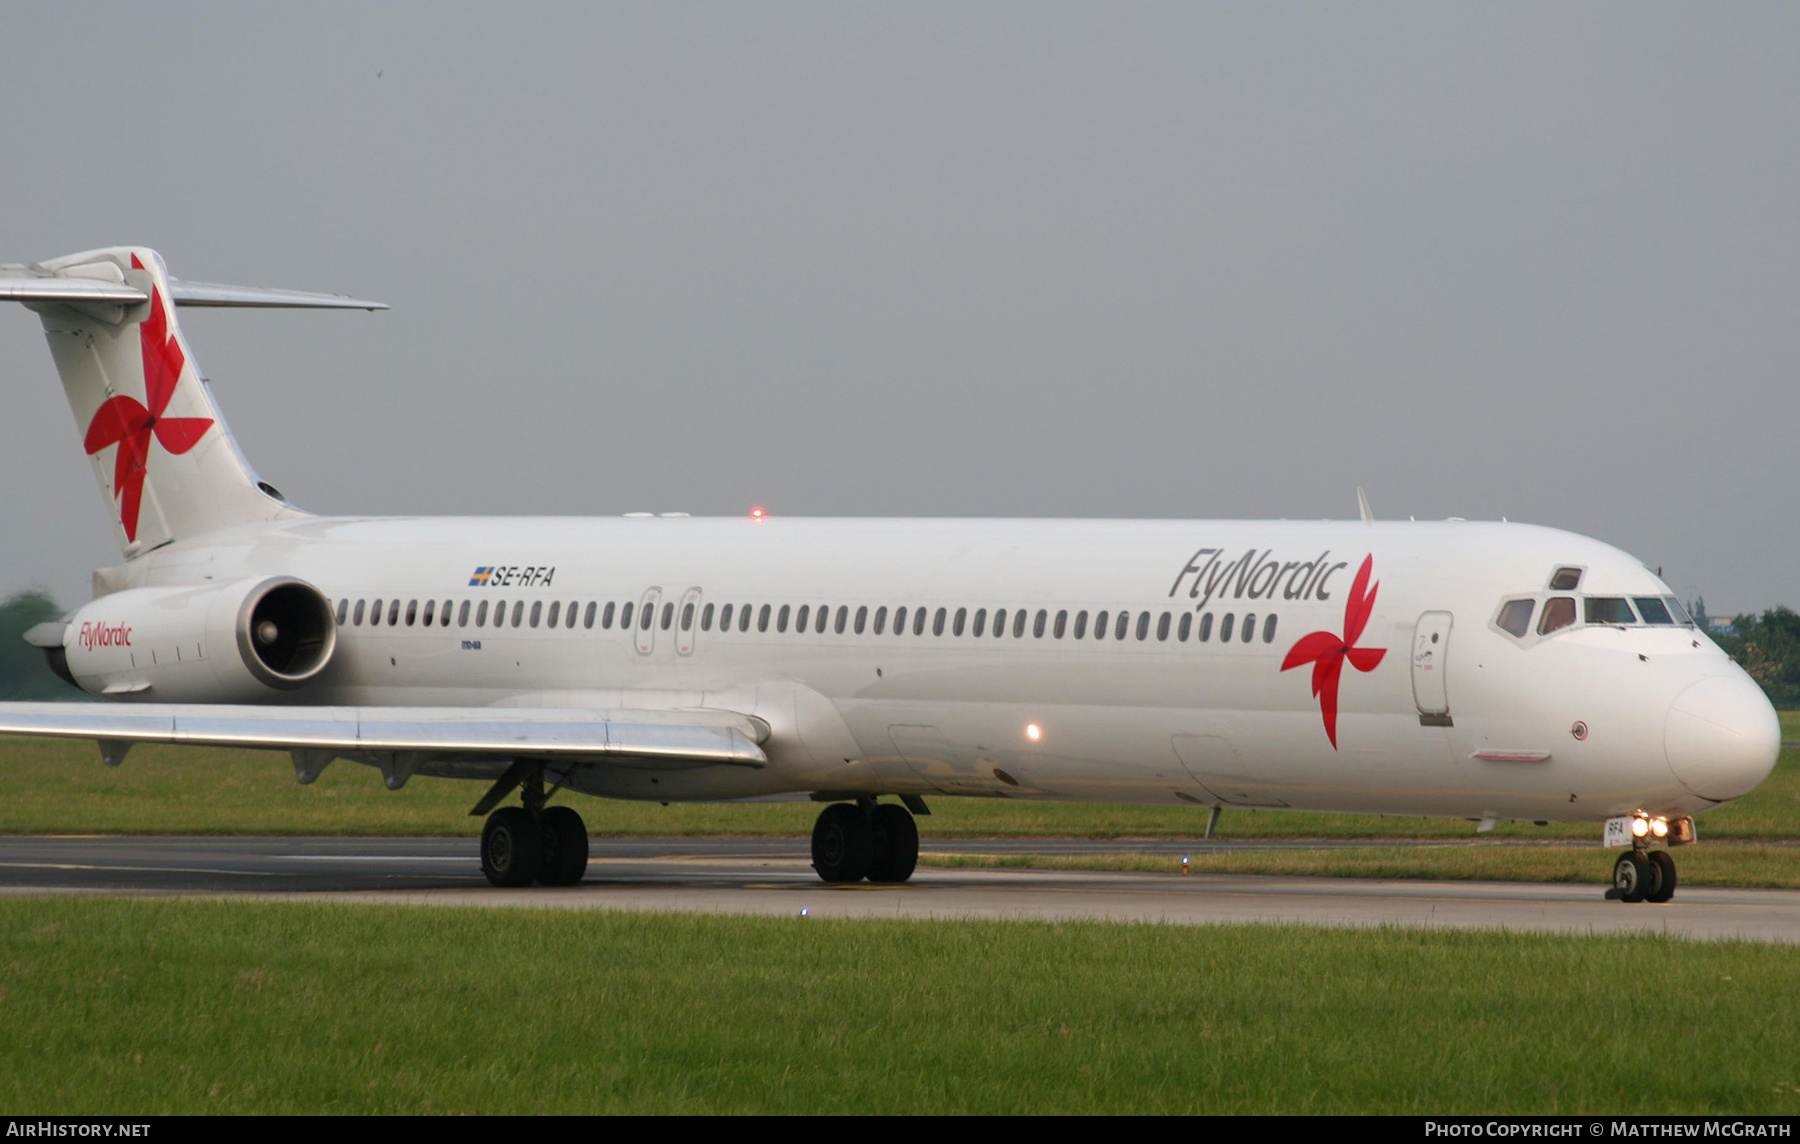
{"type": "Point", "coordinates": [122, 421]}
{"type": "Point", "coordinates": [1328, 652]}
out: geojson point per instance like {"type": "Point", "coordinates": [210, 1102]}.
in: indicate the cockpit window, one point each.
{"type": "Point", "coordinates": [1653, 610]}
{"type": "Point", "coordinates": [1559, 613]}
{"type": "Point", "coordinates": [1680, 613]}
{"type": "Point", "coordinates": [1609, 610]}
{"type": "Point", "coordinates": [1565, 580]}
{"type": "Point", "coordinates": [1515, 617]}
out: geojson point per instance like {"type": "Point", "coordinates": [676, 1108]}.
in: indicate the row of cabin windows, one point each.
{"type": "Point", "coordinates": [1118, 625]}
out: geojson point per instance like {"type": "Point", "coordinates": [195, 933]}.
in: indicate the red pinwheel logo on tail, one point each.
{"type": "Point", "coordinates": [122, 421]}
{"type": "Point", "coordinates": [1327, 652]}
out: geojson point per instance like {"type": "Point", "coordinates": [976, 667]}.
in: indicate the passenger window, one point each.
{"type": "Point", "coordinates": [625, 616]}
{"type": "Point", "coordinates": [725, 618]}
{"type": "Point", "coordinates": [1515, 617]}
{"type": "Point", "coordinates": [1269, 629]}
{"type": "Point", "coordinates": [843, 619]}
{"type": "Point", "coordinates": [481, 614]}
{"type": "Point", "coordinates": [1609, 610]}
{"type": "Point", "coordinates": [999, 621]}
{"type": "Point", "coordinates": [430, 611]}
{"type": "Point", "coordinates": [537, 612]}
{"type": "Point", "coordinates": [918, 621]}
{"type": "Point", "coordinates": [1018, 623]}
{"type": "Point", "coordinates": [1122, 625]}
{"type": "Point", "coordinates": [862, 618]}
{"type": "Point", "coordinates": [980, 623]}
{"type": "Point", "coordinates": [820, 618]}
{"type": "Point", "coordinates": [412, 612]}
{"type": "Point", "coordinates": [569, 616]}
{"type": "Point", "coordinates": [462, 615]}
{"type": "Point", "coordinates": [606, 616]}
{"type": "Point", "coordinates": [961, 621]}
{"type": "Point", "coordinates": [801, 617]}
{"type": "Point", "coordinates": [781, 619]}
{"type": "Point", "coordinates": [1100, 625]}
{"type": "Point", "coordinates": [881, 619]}
{"type": "Point", "coordinates": [762, 618]}
{"type": "Point", "coordinates": [668, 616]}
{"type": "Point", "coordinates": [518, 612]}
{"type": "Point", "coordinates": [1565, 580]}
{"type": "Point", "coordinates": [1080, 624]}
{"type": "Point", "coordinates": [375, 612]}
{"type": "Point", "coordinates": [1143, 631]}
{"type": "Point", "coordinates": [1559, 613]}
{"type": "Point", "coordinates": [687, 616]}
{"type": "Point", "coordinates": [1162, 626]}
{"type": "Point", "coordinates": [1206, 627]}
{"type": "Point", "coordinates": [587, 617]}
{"type": "Point", "coordinates": [357, 616]}
{"type": "Point", "coordinates": [1037, 625]}
{"type": "Point", "coordinates": [1653, 610]}
{"type": "Point", "coordinates": [393, 612]}
{"type": "Point", "coordinates": [706, 617]}
{"type": "Point", "coordinates": [1249, 627]}
{"type": "Point", "coordinates": [343, 611]}
{"type": "Point", "coordinates": [1185, 627]}
{"type": "Point", "coordinates": [1062, 624]}
{"type": "Point", "coordinates": [937, 622]}
{"type": "Point", "coordinates": [1225, 628]}
{"type": "Point", "coordinates": [743, 617]}
{"type": "Point", "coordinates": [555, 613]}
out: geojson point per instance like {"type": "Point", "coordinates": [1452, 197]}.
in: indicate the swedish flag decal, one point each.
{"type": "Point", "coordinates": [480, 579]}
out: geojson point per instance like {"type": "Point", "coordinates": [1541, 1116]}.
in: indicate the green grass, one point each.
{"type": "Point", "coordinates": [1734, 865]}
{"type": "Point", "coordinates": [157, 1006]}
{"type": "Point", "coordinates": [60, 787]}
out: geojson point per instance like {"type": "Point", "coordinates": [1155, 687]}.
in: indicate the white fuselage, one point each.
{"type": "Point", "coordinates": [1157, 715]}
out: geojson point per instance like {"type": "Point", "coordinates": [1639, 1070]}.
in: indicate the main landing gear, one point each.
{"type": "Point", "coordinates": [865, 839]}
{"type": "Point", "coordinates": [530, 843]}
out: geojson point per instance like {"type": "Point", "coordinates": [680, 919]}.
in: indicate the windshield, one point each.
{"type": "Point", "coordinates": [1609, 610]}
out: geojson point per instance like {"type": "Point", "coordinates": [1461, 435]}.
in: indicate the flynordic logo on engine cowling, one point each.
{"type": "Point", "coordinates": [101, 634]}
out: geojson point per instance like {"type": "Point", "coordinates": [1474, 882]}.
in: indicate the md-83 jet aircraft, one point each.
{"type": "Point", "coordinates": [1481, 670]}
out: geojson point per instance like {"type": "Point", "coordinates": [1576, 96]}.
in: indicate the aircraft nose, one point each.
{"type": "Point", "coordinates": [1722, 736]}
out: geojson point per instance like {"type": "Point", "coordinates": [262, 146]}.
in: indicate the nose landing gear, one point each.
{"type": "Point", "coordinates": [1645, 875]}
{"type": "Point", "coordinates": [865, 839]}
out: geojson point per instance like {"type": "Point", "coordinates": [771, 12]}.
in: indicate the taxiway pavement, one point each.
{"type": "Point", "coordinates": [772, 877]}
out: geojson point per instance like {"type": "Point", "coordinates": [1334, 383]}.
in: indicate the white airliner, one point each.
{"type": "Point", "coordinates": [1480, 670]}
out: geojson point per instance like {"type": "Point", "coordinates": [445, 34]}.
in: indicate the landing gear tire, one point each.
{"type": "Point", "coordinates": [565, 855]}
{"type": "Point", "coordinates": [843, 843]}
{"type": "Point", "coordinates": [512, 847]}
{"type": "Point", "coordinates": [896, 844]}
{"type": "Point", "coordinates": [1631, 876]}
{"type": "Point", "coordinates": [1662, 868]}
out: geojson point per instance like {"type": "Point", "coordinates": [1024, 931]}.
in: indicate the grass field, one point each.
{"type": "Point", "coordinates": [164, 1006]}
{"type": "Point", "coordinates": [59, 787]}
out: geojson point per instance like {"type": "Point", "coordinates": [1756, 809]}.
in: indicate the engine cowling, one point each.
{"type": "Point", "coordinates": [211, 643]}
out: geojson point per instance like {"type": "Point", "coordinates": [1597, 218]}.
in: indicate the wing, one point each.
{"type": "Point", "coordinates": [489, 734]}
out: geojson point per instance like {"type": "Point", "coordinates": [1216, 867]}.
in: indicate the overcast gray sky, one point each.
{"type": "Point", "coordinates": [1185, 260]}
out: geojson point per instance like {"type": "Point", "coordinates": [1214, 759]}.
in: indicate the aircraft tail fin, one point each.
{"type": "Point", "coordinates": [164, 459]}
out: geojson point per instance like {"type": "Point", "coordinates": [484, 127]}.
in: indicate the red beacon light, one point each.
{"type": "Point", "coordinates": [757, 514]}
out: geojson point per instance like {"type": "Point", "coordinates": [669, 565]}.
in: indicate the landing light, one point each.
{"type": "Point", "coordinates": [1033, 732]}
{"type": "Point", "coordinates": [1659, 827]}
{"type": "Point", "coordinates": [1640, 826]}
